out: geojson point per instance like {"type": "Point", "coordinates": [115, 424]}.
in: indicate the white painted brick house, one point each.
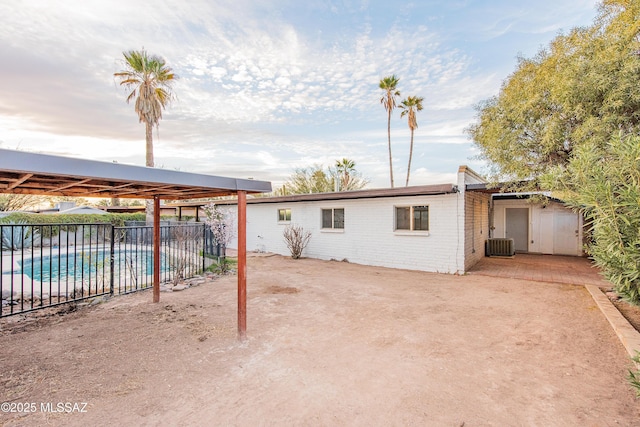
{"type": "Point", "coordinates": [437, 228]}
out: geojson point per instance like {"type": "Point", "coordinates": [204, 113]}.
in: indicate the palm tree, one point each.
{"type": "Point", "coordinates": [409, 108]}
{"type": "Point", "coordinates": [150, 80]}
{"type": "Point", "coordinates": [344, 168]}
{"type": "Point", "coordinates": [388, 85]}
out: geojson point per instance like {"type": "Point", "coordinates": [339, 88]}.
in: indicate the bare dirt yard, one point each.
{"type": "Point", "coordinates": [329, 343]}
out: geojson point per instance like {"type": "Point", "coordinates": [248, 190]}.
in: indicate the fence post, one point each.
{"type": "Point", "coordinates": [204, 246]}
{"type": "Point", "coordinates": [111, 259]}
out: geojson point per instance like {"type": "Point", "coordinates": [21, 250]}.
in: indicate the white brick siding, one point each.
{"type": "Point", "coordinates": [368, 236]}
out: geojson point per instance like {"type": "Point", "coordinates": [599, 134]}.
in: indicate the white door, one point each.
{"type": "Point", "coordinates": [547, 234]}
{"type": "Point", "coordinates": [566, 238]}
{"type": "Point", "coordinates": [517, 227]}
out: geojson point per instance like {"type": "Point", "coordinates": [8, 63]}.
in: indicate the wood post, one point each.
{"type": "Point", "coordinates": [242, 265]}
{"type": "Point", "coordinates": [156, 249]}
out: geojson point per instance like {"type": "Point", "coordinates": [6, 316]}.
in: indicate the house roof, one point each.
{"type": "Point", "coordinates": [421, 190]}
{"type": "Point", "coordinates": [33, 173]}
{"type": "Point", "coordinates": [83, 210]}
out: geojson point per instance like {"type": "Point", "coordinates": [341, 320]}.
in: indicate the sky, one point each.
{"type": "Point", "coordinates": [266, 87]}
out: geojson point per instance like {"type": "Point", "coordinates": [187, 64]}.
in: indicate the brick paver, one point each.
{"type": "Point", "coordinates": [542, 268]}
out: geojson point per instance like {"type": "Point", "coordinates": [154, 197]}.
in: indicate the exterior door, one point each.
{"type": "Point", "coordinates": [547, 234]}
{"type": "Point", "coordinates": [517, 227]}
{"type": "Point", "coordinates": [566, 238]}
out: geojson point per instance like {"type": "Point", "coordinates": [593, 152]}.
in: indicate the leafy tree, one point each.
{"type": "Point", "coordinates": [388, 100]}
{"type": "Point", "coordinates": [568, 121]}
{"type": "Point", "coordinates": [149, 80]}
{"type": "Point", "coordinates": [409, 107]}
{"type": "Point", "coordinates": [316, 179]}
{"type": "Point", "coordinates": [16, 202]}
{"type": "Point", "coordinates": [307, 180]}
{"type": "Point", "coordinates": [582, 88]}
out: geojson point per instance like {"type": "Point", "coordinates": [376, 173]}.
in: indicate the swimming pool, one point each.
{"type": "Point", "coordinates": [84, 266]}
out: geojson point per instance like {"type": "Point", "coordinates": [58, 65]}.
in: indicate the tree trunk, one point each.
{"type": "Point", "coordinates": [389, 138]}
{"type": "Point", "coordinates": [410, 155]}
{"type": "Point", "coordinates": [149, 140]}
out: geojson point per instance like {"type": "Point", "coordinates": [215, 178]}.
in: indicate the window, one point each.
{"type": "Point", "coordinates": [284, 215]}
{"type": "Point", "coordinates": [333, 218]}
{"type": "Point", "coordinates": [412, 218]}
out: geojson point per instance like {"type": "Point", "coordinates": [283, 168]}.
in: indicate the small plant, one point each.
{"type": "Point", "coordinates": [296, 239]}
{"type": "Point", "coordinates": [223, 266]}
{"type": "Point", "coordinates": [17, 235]}
{"type": "Point", "coordinates": [634, 377]}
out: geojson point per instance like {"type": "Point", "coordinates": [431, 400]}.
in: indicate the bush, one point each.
{"type": "Point", "coordinates": [606, 183]}
{"type": "Point", "coordinates": [18, 235]}
{"type": "Point", "coordinates": [634, 377]}
{"type": "Point", "coordinates": [296, 239]}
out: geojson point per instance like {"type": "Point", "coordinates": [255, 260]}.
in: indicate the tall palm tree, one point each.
{"type": "Point", "coordinates": [388, 85]}
{"type": "Point", "coordinates": [149, 79]}
{"type": "Point", "coordinates": [409, 107]}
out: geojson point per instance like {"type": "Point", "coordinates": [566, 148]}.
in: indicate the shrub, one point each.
{"type": "Point", "coordinates": [17, 235]}
{"type": "Point", "coordinates": [607, 191]}
{"type": "Point", "coordinates": [634, 377]}
{"type": "Point", "coordinates": [296, 239]}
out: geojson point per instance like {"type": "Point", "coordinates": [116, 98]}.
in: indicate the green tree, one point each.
{"type": "Point", "coordinates": [409, 107]}
{"type": "Point", "coordinates": [149, 80]}
{"type": "Point", "coordinates": [568, 121]}
{"type": "Point", "coordinates": [17, 202]}
{"type": "Point", "coordinates": [582, 88]}
{"type": "Point", "coordinates": [316, 179]}
{"type": "Point", "coordinates": [388, 100]}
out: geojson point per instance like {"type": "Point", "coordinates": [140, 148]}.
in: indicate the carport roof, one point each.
{"type": "Point", "coordinates": [33, 173]}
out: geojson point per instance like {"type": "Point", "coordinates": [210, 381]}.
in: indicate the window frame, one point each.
{"type": "Point", "coordinates": [411, 218]}
{"type": "Point", "coordinates": [333, 228]}
{"type": "Point", "coordinates": [285, 220]}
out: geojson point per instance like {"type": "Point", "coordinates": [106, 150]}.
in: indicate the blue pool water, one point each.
{"type": "Point", "coordinates": [79, 266]}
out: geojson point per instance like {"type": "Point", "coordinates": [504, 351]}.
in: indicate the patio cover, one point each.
{"type": "Point", "coordinates": [32, 173]}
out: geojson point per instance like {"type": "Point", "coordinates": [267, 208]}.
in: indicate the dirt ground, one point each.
{"type": "Point", "coordinates": [329, 343]}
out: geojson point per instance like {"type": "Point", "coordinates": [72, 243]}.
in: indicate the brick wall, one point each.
{"type": "Point", "coordinates": [368, 236]}
{"type": "Point", "coordinates": [476, 227]}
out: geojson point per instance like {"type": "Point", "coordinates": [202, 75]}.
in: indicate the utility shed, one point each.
{"type": "Point", "coordinates": [31, 173]}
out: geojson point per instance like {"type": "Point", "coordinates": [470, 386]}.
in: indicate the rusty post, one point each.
{"type": "Point", "coordinates": [156, 249]}
{"type": "Point", "coordinates": [242, 265]}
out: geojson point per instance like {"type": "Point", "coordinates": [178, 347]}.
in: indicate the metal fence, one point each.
{"type": "Point", "coordinates": [47, 265]}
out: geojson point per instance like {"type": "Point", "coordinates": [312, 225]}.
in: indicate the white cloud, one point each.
{"type": "Point", "coordinates": [266, 87]}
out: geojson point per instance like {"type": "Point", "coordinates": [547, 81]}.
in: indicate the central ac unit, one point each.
{"type": "Point", "coordinates": [499, 247]}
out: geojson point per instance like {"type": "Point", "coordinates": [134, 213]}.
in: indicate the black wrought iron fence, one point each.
{"type": "Point", "coordinates": [48, 265]}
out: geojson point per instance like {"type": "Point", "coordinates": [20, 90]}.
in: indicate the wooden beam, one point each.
{"type": "Point", "coordinates": [22, 179]}
{"type": "Point", "coordinates": [156, 249]}
{"type": "Point", "coordinates": [242, 265]}
{"type": "Point", "coordinates": [73, 184]}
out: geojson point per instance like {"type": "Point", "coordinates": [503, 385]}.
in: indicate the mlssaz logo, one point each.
{"type": "Point", "coordinates": [64, 407]}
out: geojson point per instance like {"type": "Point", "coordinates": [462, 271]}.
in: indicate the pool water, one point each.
{"type": "Point", "coordinates": [87, 265]}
